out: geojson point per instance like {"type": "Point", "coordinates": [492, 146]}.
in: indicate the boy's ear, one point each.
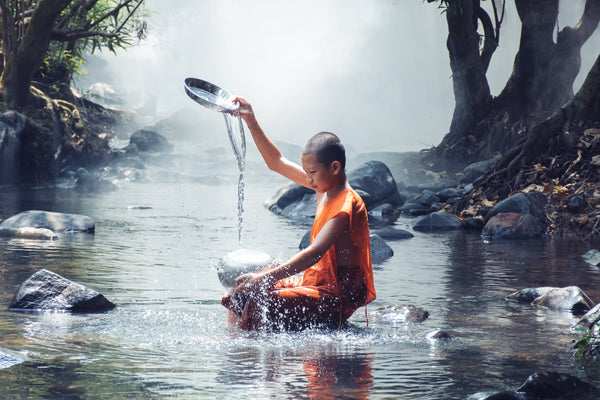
{"type": "Point", "coordinates": [336, 167]}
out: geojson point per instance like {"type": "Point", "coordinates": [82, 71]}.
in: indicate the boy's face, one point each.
{"type": "Point", "coordinates": [319, 176]}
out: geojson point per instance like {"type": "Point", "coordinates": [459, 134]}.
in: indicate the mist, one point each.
{"type": "Point", "coordinates": [374, 72]}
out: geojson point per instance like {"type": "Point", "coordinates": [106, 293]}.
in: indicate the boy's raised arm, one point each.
{"type": "Point", "coordinates": [269, 150]}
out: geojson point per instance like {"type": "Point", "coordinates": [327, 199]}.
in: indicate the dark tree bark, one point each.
{"type": "Point", "coordinates": [545, 68]}
{"type": "Point", "coordinates": [16, 77]}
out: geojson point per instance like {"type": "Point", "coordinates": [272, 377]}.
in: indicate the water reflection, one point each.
{"type": "Point", "coordinates": [334, 377]}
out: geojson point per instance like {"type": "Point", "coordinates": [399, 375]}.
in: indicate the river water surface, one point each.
{"type": "Point", "coordinates": [167, 338]}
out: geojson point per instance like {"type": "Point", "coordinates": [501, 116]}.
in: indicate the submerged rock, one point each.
{"type": "Point", "coordinates": [438, 221]}
{"type": "Point", "coordinates": [148, 141]}
{"type": "Point", "coordinates": [28, 233]}
{"type": "Point", "coordinates": [402, 313]}
{"type": "Point", "coordinates": [570, 298]}
{"type": "Point", "coordinates": [513, 226]}
{"type": "Point", "coordinates": [46, 290]}
{"type": "Point", "coordinates": [7, 360]}
{"type": "Point", "coordinates": [391, 233]}
{"type": "Point", "coordinates": [43, 221]}
{"type": "Point", "coordinates": [546, 385]}
{"type": "Point", "coordinates": [592, 257]}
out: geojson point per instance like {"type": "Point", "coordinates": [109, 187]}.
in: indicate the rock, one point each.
{"type": "Point", "coordinates": [592, 257]}
{"type": "Point", "coordinates": [372, 181]}
{"type": "Point", "coordinates": [402, 313]}
{"type": "Point", "coordinates": [375, 178]}
{"type": "Point", "coordinates": [384, 214]}
{"type": "Point", "coordinates": [148, 141]}
{"type": "Point", "coordinates": [547, 385]}
{"type": "Point", "coordinates": [414, 209]}
{"type": "Point", "coordinates": [437, 335]}
{"type": "Point", "coordinates": [570, 298]}
{"type": "Point", "coordinates": [28, 233]}
{"type": "Point", "coordinates": [90, 183]}
{"type": "Point", "coordinates": [427, 199]}
{"type": "Point", "coordinates": [7, 360]}
{"type": "Point", "coordinates": [475, 170]}
{"type": "Point", "coordinates": [438, 221]}
{"type": "Point", "coordinates": [590, 318]}
{"type": "Point", "coordinates": [552, 385]}
{"type": "Point", "coordinates": [438, 185]}
{"type": "Point", "coordinates": [448, 193]}
{"type": "Point", "coordinates": [495, 396]}
{"type": "Point", "coordinates": [46, 290]}
{"type": "Point", "coordinates": [240, 262]}
{"type": "Point", "coordinates": [12, 124]}
{"type": "Point", "coordinates": [435, 207]}
{"type": "Point", "coordinates": [532, 203]}
{"type": "Point", "coordinates": [513, 226]}
{"type": "Point", "coordinates": [529, 294]}
{"type": "Point", "coordinates": [380, 250]}
{"type": "Point", "coordinates": [293, 197]}
{"type": "Point", "coordinates": [391, 233]}
{"type": "Point", "coordinates": [576, 203]}
{"type": "Point", "coordinates": [474, 223]}
{"type": "Point", "coordinates": [56, 222]}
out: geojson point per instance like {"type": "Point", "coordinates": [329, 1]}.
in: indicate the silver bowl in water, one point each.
{"type": "Point", "coordinates": [209, 95]}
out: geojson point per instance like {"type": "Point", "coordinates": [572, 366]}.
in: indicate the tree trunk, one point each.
{"type": "Point", "coordinates": [542, 81]}
{"type": "Point", "coordinates": [471, 89]}
{"type": "Point", "coordinates": [19, 70]}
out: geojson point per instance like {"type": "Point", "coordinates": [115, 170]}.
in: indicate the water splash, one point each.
{"type": "Point", "coordinates": [238, 144]}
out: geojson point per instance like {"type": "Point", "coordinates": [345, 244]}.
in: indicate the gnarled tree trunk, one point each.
{"type": "Point", "coordinates": [541, 82]}
{"type": "Point", "coordinates": [19, 70]}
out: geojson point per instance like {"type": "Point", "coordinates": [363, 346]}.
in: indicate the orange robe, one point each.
{"type": "Point", "coordinates": [316, 299]}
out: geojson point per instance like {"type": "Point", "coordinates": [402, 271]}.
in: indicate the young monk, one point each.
{"type": "Point", "coordinates": [337, 273]}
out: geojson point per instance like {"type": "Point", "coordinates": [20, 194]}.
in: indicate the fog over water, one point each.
{"type": "Point", "coordinates": [375, 72]}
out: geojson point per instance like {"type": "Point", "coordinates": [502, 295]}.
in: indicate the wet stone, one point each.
{"type": "Point", "coordinates": [46, 290]}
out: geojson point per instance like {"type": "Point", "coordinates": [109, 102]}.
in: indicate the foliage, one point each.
{"type": "Point", "coordinates": [589, 338]}
{"type": "Point", "coordinates": [82, 27]}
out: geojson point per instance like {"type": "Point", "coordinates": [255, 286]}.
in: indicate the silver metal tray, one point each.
{"type": "Point", "coordinates": [209, 95]}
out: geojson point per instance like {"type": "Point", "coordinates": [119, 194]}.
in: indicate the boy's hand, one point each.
{"type": "Point", "coordinates": [251, 283]}
{"type": "Point", "coordinates": [244, 110]}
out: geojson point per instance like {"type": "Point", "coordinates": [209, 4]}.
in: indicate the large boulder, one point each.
{"type": "Point", "coordinates": [53, 221]}
{"type": "Point", "coordinates": [293, 201]}
{"type": "Point", "coordinates": [375, 178]}
{"type": "Point", "coordinates": [239, 262]}
{"type": "Point", "coordinates": [46, 290]}
{"type": "Point", "coordinates": [512, 225]}
{"type": "Point", "coordinates": [570, 298]}
{"type": "Point", "coordinates": [532, 203]}
{"type": "Point", "coordinates": [438, 221]}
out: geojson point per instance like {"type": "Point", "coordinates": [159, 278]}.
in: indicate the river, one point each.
{"type": "Point", "coordinates": [155, 252]}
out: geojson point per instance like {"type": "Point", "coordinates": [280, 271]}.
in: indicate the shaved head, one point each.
{"type": "Point", "coordinates": [327, 147]}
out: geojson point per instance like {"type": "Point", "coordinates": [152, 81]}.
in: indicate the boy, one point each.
{"type": "Point", "coordinates": [337, 274]}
